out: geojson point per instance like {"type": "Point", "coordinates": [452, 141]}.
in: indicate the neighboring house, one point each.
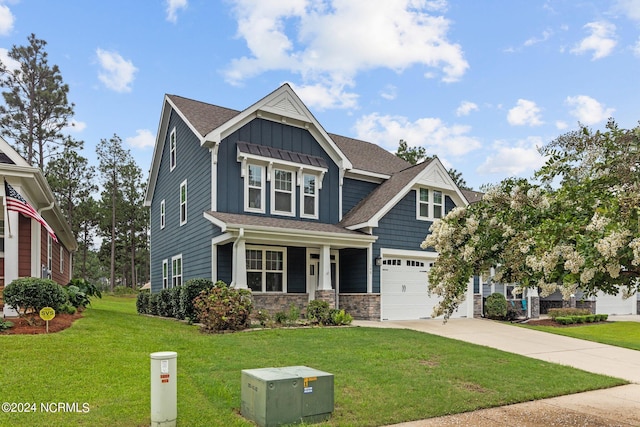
{"type": "Point", "coordinates": [266, 199]}
{"type": "Point", "coordinates": [27, 247]}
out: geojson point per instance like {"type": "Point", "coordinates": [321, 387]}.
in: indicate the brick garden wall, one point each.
{"type": "Point", "coordinates": [273, 302]}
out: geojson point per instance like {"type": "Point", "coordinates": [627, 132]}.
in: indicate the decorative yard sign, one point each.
{"type": "Point", "coordinates": [46, 314]}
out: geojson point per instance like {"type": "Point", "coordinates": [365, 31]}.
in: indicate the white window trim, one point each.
{"type": "Point", "coordinates": [165, 274]}
{"type": "Point", "coordinates": [175, 276]}
{"type": "Point", "coordinates": [264, 270]}
{"type": "Point", "coordinates": [173, 148]}
{"type": "Point", "coordinates": [316, 196]}
{"type": "Point", "coordinates": [430, 204]}
{"type": "Point", "coordinates": [183, 184]}
{"type": "Point", "coordinates": [245, 168]}
{"type": "Point", "coordinates": [163, 213]}
{"type": "Point", "coordinates": [292, 192]}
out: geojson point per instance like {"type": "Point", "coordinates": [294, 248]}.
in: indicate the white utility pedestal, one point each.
{"type": "Point", "coordinates": [164, 389]}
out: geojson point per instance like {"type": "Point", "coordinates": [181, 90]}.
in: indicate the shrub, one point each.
{"type": "Point", "coordinates": [188, 292]}
{"type": "Point", "coordinates": [288, 318]}
{"type": "Point", "coordinates": [590, 318]}
{"type": "Point", "coordinates": [175, 302]}
{"type": "Point", "coordinates": [340, 317]}
{"type": "Point", "coordinates": [223, 308]}
{"type": "Point", "coordinates": [154, 302]}
{"type": "Point", "coordinates": [5, 324]}
{"type": "Point", "coordinates": [318, 312]}
{"type": "Point", "coordinates": [265, 319]}
{"type": "Point", "coordinates": [564, 312]}
{"type": "Point", "coordinates": [32, 294]}
{"type": "Point", "coordinates": [76, 297]}
{"type": "Point", "coordinates": [496, 306]}
{"type": "Point", "coordinates": [165, 303]}
{"type": "Point", "coordinates": [85, 291]}
{"type": "Point", "coordinates": [142, 302]}
{"type": "Point", "coordinates": [68, 308]}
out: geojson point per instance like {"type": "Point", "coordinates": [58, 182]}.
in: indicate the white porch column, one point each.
{"type": "Point", "coordinates": [370, 268]}
{"type": "Point", "coordinates": [11, 255]}
{"type": "Point", "coordinates": [324, 283]}
{"type": "Point", "coordinates": [239, 275]}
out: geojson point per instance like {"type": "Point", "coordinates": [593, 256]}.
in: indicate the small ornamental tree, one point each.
{"type": "Point", "coordinates": [578, 229]}
{"type": "Point", "coordinates": [496, 306]}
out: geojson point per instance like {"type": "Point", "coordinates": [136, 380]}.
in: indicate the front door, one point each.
{"type": "Point", "coordinates": [313, 267]}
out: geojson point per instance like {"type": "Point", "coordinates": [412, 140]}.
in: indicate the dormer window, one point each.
{"type": "Point", "coordinates": [430, 204]}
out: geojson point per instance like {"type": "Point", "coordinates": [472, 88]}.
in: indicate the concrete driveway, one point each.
{"type": "Point", "coordinates": [618, 406]}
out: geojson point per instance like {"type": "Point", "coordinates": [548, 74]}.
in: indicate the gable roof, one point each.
{"type": "Point", "coordinates": [35, 188]}
{"type": "Point", "coordinates": [472, 196]}
{"type": "Point", "coordinates": [202, 116]}
{"type": "Point", "coordinates": [372, 205]}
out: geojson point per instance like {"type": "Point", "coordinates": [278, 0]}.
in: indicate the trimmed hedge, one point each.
{"type": "Point", "coordinates": [587, 318]}
{"type": "Point", "coordinates": [564, 312]}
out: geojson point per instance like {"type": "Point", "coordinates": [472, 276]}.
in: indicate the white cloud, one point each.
{"type": "Point", "coordinates": [465, 108]}
{"type": "Point", "coordinates": [524, 113]}
{"type": "Point", "coordinates": [561, 125]}
{"type": "Point", "coordinates": [75, 126]}
{"type": "Point", "coordinates": [334, 40]}
{"type": "Point", "coordinates": [546, 34]}
{"type": "Point", "coordinates": [6, 20]}
{"type": "Point", "coordinates": [323, 97]}
{"type": "Point", "coordinates": [117, 73]}
{"type": "Point", "coordinates": [520, 159]}
{"type": "Point", "coordinates": [172, 9]}
{"type": "Point", "coordinates": [601, 41]}
{"type": "Point", "coordinates": [630, 8]}
{"type": "Point", "coordinates": [8, 62]}
{"type": "Point", "coordinates": [143, 139]}
{"type": "Point", "coordinates": [389, 93]}
{"type": "Point", "coordinates": [636, 48]}
{"type": "Point", "coordinates": [431, 133]}
{"type": "Point", "coordinates": [587, 110]}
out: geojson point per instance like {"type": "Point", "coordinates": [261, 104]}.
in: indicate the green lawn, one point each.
{"type": "Point", "coordinates": [382, 376]}
{"type": "Point", "coordinates": [620, 334]}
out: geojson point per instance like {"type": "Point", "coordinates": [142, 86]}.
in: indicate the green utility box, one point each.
{"type": "Point", "coordinates": [290, 395]}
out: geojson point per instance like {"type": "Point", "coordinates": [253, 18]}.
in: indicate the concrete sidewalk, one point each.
{"type": "Point", "coordinates": [610, 407]}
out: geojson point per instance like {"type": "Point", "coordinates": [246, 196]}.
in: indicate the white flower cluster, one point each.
{"type": "Point", "coordinates": [546, 289]}
{"type": "Point", "coordinates": [609, 245]}
{"type": "Point", "coordinates": [568, 289]}
{"type": "Point", "coordinates": [635, 246]}
{"type": "Point", "coordinates": [598, 223]}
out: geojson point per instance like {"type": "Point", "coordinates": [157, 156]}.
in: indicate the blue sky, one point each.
{"type": "Point", "coordinates": [479, 83]}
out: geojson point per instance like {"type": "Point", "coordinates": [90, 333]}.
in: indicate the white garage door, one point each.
{"type": "Point", "coordinates": [614, 304]}
{"type": "Point", "coordinates": [403, 290]}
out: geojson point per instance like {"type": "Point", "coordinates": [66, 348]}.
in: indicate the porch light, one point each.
{"type": "Point", "coordinates": [378, 261]}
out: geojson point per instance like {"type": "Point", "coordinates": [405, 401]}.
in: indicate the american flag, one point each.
{"type": "Point", "coordinates": [15, 202]}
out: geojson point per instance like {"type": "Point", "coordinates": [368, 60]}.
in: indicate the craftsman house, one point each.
{"type": "Point", "coordinates": [266, 199]}
{"type": "Point", "coordinates": [35, 238]}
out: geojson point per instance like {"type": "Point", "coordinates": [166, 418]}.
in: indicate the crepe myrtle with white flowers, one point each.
{"type": "Point", "coordinates": [575, 228]}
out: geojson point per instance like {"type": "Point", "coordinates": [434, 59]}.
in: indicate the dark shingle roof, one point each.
{"type": "Point", "coordinates": [369, 157]}
{"type": "Point", "coordinates": [204, 117]}
{"type": "Point", "coordinates": [472, 196]}
{"type": "Point", "coordinates": [279, 223]}
{"type": "Point", "coordinates": [276, 153]}
{"type": "Point", "coordinates": [378, 198]}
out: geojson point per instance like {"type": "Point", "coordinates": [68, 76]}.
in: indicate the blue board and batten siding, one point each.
{"type": "Point", "coordinates": [193, 239]}
{"type": "Point", "coordinates": [230, 185]}
{"type": "Point", "coordinates": [353, 191]}
{"type": "Point", "coordinates": [400, 229]}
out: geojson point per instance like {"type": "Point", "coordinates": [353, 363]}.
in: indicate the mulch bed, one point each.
{"type": "Point", "coordinates": [22, 327]}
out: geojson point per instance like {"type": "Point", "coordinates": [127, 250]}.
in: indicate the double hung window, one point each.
{"type": "Point", "coordinates": [309, 197]}
{"type": "Point", "coordinates": [266, 269]}
{"type": "Point", "coordinates": [283, 197]}
{"type": "Point", "coordinates": [430, 204]}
